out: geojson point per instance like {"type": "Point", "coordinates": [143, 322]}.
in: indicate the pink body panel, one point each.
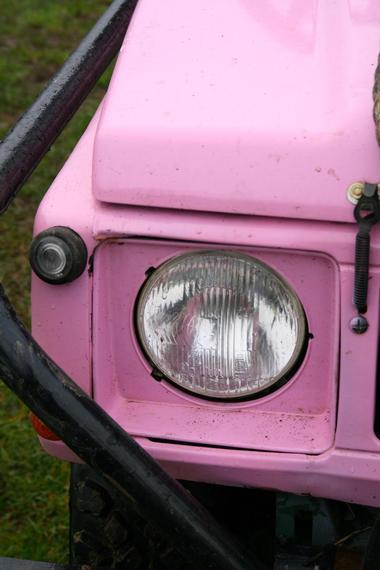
{"type": "Point", "coordinates": [242, 106]}
{"type": "Point", "coordinates": [343, 463]}
{"type": "Point", "coordinates": [61, 316]}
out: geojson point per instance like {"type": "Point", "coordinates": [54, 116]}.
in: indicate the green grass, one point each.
{"type": "Point", "coordinates": [35, 38]}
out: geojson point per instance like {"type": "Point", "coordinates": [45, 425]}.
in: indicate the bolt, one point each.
{"type": "Point", "coordinates": [359, 324]}
{"type": "Point", "coordinates": [355, 191]}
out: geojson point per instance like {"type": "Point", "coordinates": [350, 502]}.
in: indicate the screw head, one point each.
{"type": "Point", "coordinates": [355, 192]}
{"type": "Point", "coordinates": [359, 324]}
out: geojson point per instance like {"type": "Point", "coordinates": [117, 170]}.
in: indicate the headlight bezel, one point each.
{"type": "Point", "coordinates": [278, 382]}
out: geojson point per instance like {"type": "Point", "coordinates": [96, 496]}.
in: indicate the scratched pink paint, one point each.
{"type": "Point", "coordinates": [235, 126]}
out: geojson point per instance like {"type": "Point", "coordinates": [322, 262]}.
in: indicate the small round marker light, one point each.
{"type": "Point", "coordinates": [58, 255]}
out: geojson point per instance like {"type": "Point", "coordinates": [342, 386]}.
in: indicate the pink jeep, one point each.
{"type": "Point", "coordinates": [195, 272]}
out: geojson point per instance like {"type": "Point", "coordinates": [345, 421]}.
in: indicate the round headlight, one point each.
{"type": "Point", "coordinates": [220, 324]}
{"type": "Point", "coordinates": [58, 255]}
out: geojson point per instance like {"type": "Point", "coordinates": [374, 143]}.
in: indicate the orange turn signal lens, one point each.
{"type": "Point", "coordinates": [42, 429]}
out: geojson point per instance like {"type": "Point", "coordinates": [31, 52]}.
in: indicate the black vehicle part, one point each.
{"type": "Point", "coordinates": [35, 132]}
{"type": "Point", "coordinates": [249, 514]}
{"type": "Point", "coordinates": [104, 534]}
{"type": "Point", "coordinates": [371, 558]}
{"type": "Point", "coordinates": [102, 444]}
{"type": "Point", "coordinates": [58, 255]}
{"type": "Point", "coordinates": [367, 214]}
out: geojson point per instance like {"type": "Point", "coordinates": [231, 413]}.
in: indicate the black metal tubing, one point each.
{"type": "Point", "coordinates": [103, 445]}
{"type": "Point", "coordinates": [30, 139]}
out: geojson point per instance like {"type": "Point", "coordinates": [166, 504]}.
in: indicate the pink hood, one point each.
{"type": "Point", "coordinates": [242, 106]}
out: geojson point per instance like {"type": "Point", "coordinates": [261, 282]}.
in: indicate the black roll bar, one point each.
{"type": "Point", "coordinates": [47, 390]}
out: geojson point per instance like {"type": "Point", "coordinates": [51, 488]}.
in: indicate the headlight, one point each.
{"type": "Point", "coordinates": [220, 324]}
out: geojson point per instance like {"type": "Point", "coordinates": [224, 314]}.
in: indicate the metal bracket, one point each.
{"type": "Point", "coordinates": [355, 192]}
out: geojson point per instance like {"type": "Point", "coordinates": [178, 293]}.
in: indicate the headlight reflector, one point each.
{"type": "Point", "coordinates": [220, 324]}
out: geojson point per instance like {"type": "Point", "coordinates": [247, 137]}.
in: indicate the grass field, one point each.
{"type": "Point", "coordinates": [35, 38]}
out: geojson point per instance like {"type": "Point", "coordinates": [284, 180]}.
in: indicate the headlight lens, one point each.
{"type": "Point", "coordinates": [220, 324]}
